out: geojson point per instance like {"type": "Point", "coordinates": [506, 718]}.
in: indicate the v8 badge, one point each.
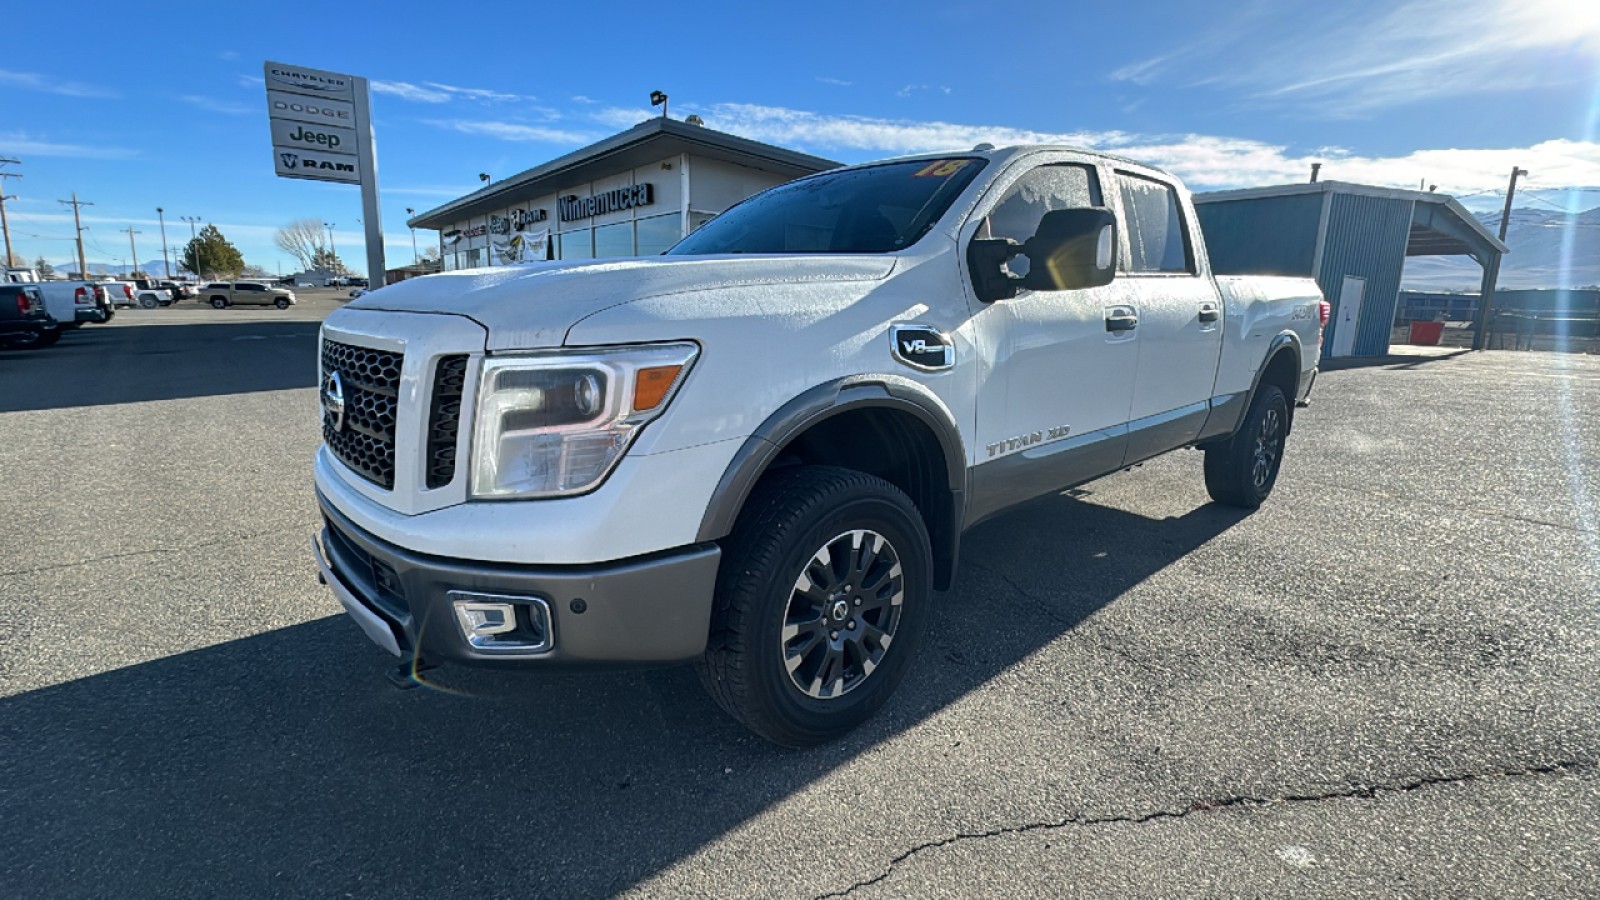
{"type": "Point", "coordinates": [922, 347]}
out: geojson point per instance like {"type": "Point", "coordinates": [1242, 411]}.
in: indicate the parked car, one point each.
{"type": "Point", "coordinates": [359, 292]}
{"type": "Point", "coordinates": [760, 451]}
{"type": "Point", "coordinates": [223, 294]}
{"type": "Point", "coordinates": [121, 293]}
{"type": "Point", "coordinates": [24, 321]}
{"type": "Point", "coordinates": [150, 298]}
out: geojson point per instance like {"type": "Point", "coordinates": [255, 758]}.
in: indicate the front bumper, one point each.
{"type": "Point", "coordinates": [644, 610]}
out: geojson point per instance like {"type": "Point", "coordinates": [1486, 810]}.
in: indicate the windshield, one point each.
{"type": "Point", "coordinates": [874, 209]}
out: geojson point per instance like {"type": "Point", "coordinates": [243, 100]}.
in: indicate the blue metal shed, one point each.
{"type": "Point", "coordinates": [1353, 239]}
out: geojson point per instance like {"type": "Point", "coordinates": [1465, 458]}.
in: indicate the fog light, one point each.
{"type": "Point", "coordinates": [485, 619]}
{"type": "Point", "coordinates": [498, 624]}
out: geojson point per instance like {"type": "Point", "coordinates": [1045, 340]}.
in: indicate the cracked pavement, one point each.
{"type": "Point", "coordinates": [1383, 682]}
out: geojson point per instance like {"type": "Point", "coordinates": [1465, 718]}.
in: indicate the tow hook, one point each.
{"type": "Point", "coordinates": [404, 676]}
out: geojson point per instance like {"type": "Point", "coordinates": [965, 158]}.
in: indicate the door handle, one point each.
{"type": "Point", "coordinates": [1209, 312]}
{"type": "Point", "coordinates": [1121, 320]}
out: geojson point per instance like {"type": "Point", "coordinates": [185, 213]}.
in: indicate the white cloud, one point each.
{"type": "Point", "coordinates": [1342, 61]}
{"type": "Point", "coordinates": [579, 98]}
{"type": "Point", "coordinates": [818, 131]}
{"type": "Point", "coordinates": [437, 92]}
{"type": "Point", "coordinates": [35, 82]}
{"type": "Point", "coordinates": [836, 82]}
{"type": "Point", "coordinates": [220, 106]}
{"type": "Point", "coordinates": [431, 191]}
{"type": "Point", "coordinates": [20, 144]}
{"type": "Point", "coordinates": [512, 131]}
{"type": "Point", "coordinates": [408, 91]}
{"type": "Point", "coordinates": [1205, 162]}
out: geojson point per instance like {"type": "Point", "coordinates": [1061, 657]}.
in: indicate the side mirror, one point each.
{"type": "Point", "coordinates": [1073, 249]}
{"type": "Point", "coordinates": [986, 260]}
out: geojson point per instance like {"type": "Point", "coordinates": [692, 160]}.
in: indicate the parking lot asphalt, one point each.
{"type": "Point", "coordinates": [1383, 682]}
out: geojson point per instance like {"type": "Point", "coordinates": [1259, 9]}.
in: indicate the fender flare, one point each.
{"type": "Point", "coordinates": [1229, 411]}
{"type": "Point", "coordinates": [819, 404]}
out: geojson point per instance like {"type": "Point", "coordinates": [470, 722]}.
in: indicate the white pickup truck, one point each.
{"type": "Point", "coordinates": [760, 450]}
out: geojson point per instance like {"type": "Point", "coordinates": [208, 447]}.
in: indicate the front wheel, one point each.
{"type": "Point", "coordinates": [822, 598]}
{"type": "Point", "coordinates": [1242, 470]}
{"type": "Point", "coordinates": [281, 303]}
{"type": "Point", "coordinates": [219, 302]}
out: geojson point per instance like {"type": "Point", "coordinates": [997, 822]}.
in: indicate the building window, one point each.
{"type": "Point", "coordinates": [474, 258]}
{"type": "Point", "coordinates": [657, 234]}
{"type": "Point", "coordinates": [612, 241]}
{"type": "Point", "coordinates": [696, 219]}
{"type": "Point", "coordinates": [577, 244]}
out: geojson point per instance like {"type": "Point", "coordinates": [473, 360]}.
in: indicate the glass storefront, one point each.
{"type": "Point", "coordinates": [657, 234]}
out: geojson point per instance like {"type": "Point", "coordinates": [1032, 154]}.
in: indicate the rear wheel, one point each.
{"type": "Point", "coordinates": [822, 598]}
{"type": "Point", "coordinates": [148, 301]}
{"type": "Point", "coordinates": [1242, 470]}
{"type": "Point", "coordinates": [31, 341]}
{"type": "Point", "coordinates": [219, 302]}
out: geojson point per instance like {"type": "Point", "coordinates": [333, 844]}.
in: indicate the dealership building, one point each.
{"type": "Point", "coordinates": [633, 194]}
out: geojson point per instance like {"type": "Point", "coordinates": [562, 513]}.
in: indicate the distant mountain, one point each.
{"type": "Point", "coordinates": [1537, 238]}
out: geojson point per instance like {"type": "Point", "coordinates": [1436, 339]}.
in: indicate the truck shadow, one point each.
{"type": "Point", "coordinates": [284, 763]}
{"type": "Point", "coordinates": [100, 365]}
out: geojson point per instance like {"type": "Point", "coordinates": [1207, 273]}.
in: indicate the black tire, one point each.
{"type": "Point", "coordinates": [149, 302]}
{"type": "Point", "coordinates": [1242, 470]}
{"type": "Point", "coordinates": [37, 340]}
{"type": "Point", "coordinates": [219, 302]}
{"type": "Point", "coordinates": [281, 303]}
{"type": "Point", "coordinates": [789, 520]}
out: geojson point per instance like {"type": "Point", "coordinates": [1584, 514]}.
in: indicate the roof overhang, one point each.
{"type": "Point", "coordinates": [1440, 225]}
{"type": "Point", "coordinates": [645, 143]}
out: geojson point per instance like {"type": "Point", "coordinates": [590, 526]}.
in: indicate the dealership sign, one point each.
{"type": "Point", "coordinates": [574, 207]}
{"type": "Point", "coordinates": [321, 124]}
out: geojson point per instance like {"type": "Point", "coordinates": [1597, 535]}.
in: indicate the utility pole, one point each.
{"type": "Point", "coordinates": [1481, 334]}
{"type": "Point", "coordinates": [193, 220]}
{"type": "Point", "coordinates": [132, 250]}
{"type": "Point", "coordinates": [5, 226]}
{"type": "Point", "coordinates": [1511, 191]}
{"type": "Point", "coordinates": [166, 260]}
{"type": "Point", "coordinates": [77, 223]}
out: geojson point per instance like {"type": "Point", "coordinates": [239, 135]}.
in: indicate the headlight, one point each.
{"type": "Point", "coordinates": [551, 424]}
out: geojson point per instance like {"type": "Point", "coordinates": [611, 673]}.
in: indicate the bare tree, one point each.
{"type": "Point", "coordinates": [303, 240]}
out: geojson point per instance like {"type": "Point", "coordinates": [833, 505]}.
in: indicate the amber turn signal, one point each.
{"type": "Point", "coordinates": [650, 386]}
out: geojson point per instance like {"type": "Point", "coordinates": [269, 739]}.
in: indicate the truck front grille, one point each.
{"type": "Point", "coordinates": [371, 382]}
{"type": "Point", "coordinates": [444, 419]}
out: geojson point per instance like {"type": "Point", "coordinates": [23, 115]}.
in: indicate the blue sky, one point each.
{"type": "Point", "coordinates": [1451, 92]}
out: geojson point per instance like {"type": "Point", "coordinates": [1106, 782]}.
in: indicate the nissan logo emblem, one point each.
{"type": "Point", "coordinates": [333, 400]}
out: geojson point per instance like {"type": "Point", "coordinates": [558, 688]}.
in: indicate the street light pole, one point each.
{"type": "Point", "coordinates": [166, 260]}
{"type": "Point", "coordinates": [416, 258]}
{"type": "Point", "coordinates": [333, 253]}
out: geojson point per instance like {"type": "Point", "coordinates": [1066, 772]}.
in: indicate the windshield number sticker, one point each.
{"type": "Point", "coordinates": [944, 168]}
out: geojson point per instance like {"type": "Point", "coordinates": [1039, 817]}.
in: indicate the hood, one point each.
{"type": "Point", "coordinates": [533, 305]}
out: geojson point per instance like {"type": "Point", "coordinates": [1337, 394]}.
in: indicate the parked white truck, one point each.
{"type": "Point", "coordinates": [760, 450]}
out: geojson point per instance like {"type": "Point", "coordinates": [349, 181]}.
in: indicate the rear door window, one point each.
{"type": "Point", "coordinates": [1157, 238]}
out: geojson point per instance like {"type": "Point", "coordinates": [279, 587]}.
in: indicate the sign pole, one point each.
{"type": "Point", "coordinates": [367, 153]}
